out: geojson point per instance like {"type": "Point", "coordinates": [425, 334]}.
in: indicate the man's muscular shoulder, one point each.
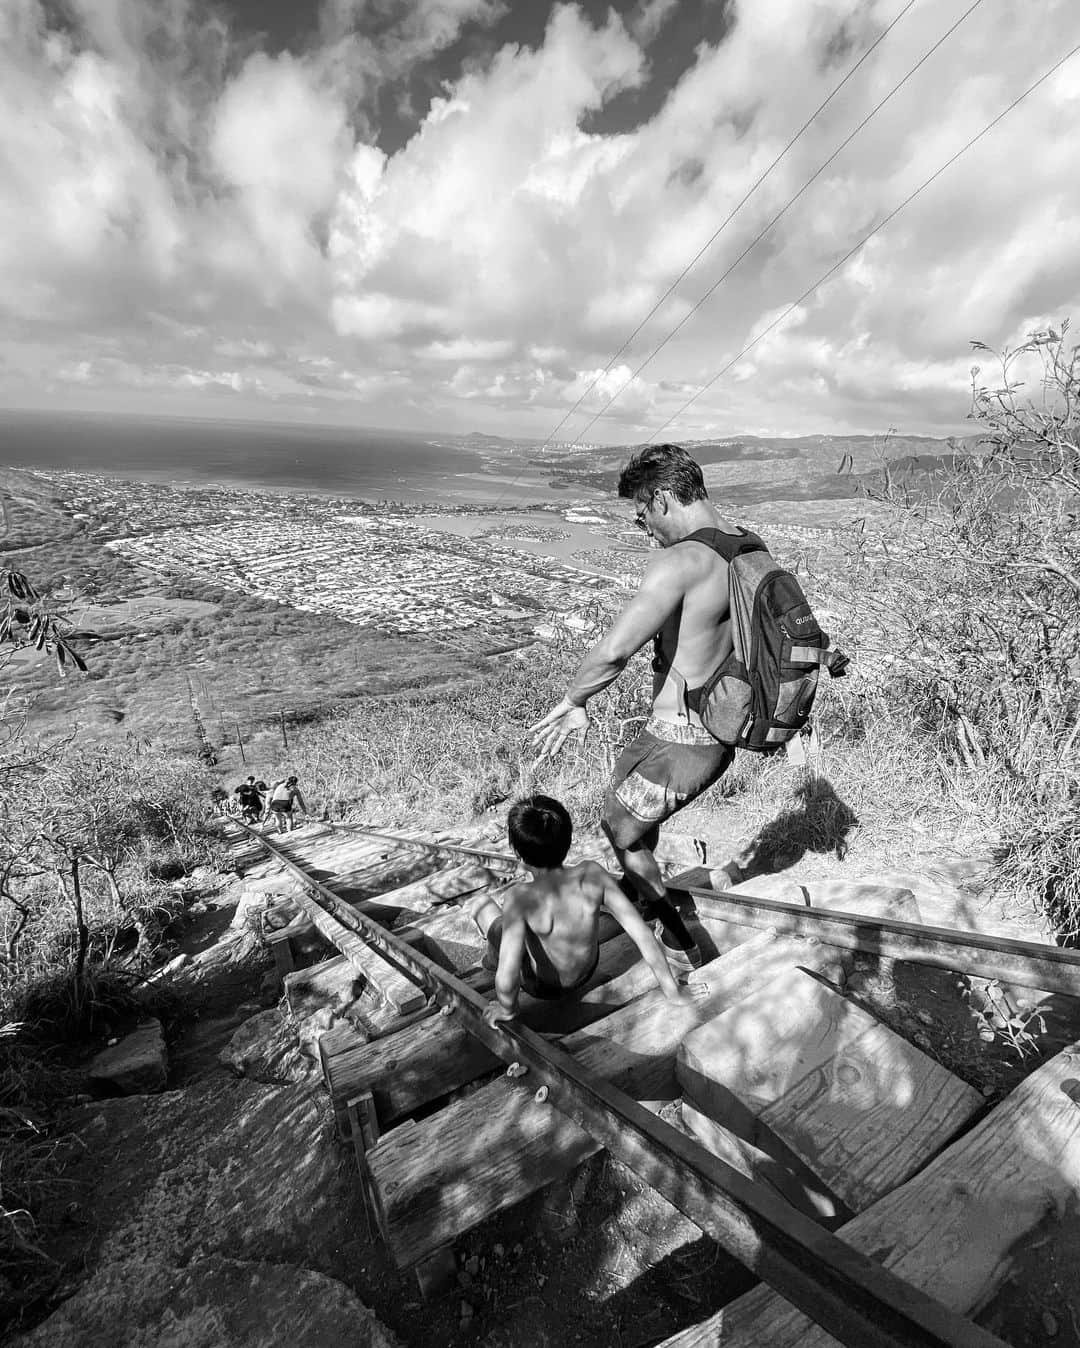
{"type": "Point", "coordinates": [684, 562]}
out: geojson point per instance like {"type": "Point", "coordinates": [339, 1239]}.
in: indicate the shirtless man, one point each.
{"type": "Point", "coordinates": [682, 606]}
{"type": "Point", "coordinates": [546, 937]}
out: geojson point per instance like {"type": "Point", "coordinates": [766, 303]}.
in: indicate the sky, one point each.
{"type": "Point", "coordinates": [451, 215]}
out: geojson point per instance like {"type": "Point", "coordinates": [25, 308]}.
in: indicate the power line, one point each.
{"type": "Point", "coordinates": [781, 213]}
{"type": "Point", "coordinates": [867, 237]}
{"type": "Point", "coordinates": [727, 221]}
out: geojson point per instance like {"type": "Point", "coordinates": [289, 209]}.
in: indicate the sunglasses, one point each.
{"type": "Point", "coordinates": [639, 517]}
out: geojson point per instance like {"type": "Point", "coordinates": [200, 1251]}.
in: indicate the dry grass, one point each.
{"type": "Point", "coordinates": [30, 1172]}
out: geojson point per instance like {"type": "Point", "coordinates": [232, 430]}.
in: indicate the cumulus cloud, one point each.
{"type": "Point", "coordinates": [181, 208]}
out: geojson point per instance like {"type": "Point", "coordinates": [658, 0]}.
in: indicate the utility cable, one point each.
{"type": "Point", "coordinates": [781, 213]}
{"type": "Point", "coordinates": [867, 237]}
{"type": "Point", "coordinates": [728, 219]}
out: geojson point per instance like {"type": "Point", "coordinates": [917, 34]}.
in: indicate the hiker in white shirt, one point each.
{"type": "Point", "coordinates": [280, 804]}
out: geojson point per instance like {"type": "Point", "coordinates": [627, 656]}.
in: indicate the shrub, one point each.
{"type": "Point", "coordinates": [970, 612]}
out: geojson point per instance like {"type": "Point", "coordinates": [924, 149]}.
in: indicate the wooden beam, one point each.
{"type": "Point", "coordinates": [863, 1305]}
{"type": "Point", "coordinates": [818, 1272]}
{"type": "Point", "coordinates": [1029, 964]}
{"type": "Point", "coordinates": [951, 1229]}
{"type": "Point", "coordinates": [795, 1067]}
{"type": "Point", "coordinates": [483, 854]}
{"type": "Point", "coordinates": [494, 1147]}
{"type": "Point", "coordinates": [433, 1057]}
{"type": "Point", "coordinates": [802, 1189]}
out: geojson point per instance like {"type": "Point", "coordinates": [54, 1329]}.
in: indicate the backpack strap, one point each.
{"type": "Point", "coordinates": [727, 546]}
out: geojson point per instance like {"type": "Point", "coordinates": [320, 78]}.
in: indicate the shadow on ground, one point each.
{"type": "Point", "coordinates": [819, 821]}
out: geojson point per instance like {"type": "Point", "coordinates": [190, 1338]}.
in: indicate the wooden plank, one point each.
{"type": "Point", "coordinates": [398, 990]}
{"type": "Point", "coordinates": [448, 936]}
{"type": "Point", "coordinates": [435, 1056]}
{"type": "Point", "coordinates": [863, 1305]}
{"type": "Point", "coordinates": [817, 1270]}
{"type": "Point", "coordinates": [1027, 963]}
{"type": "Point", "coordinates": [801, 1189]}
{"type": "Point", "coordinates": [487, 855]}
{"type": "Point", "coordinates": [333, 983]}
{"type": "Point", "coordinates": [951, 1229]}
{"type": "Point", "coordinates": [495, 1147]}
{"type": "Point", "coordinates": [797, 1064]}
{"type": "Point", "coordinates": [437, 888]}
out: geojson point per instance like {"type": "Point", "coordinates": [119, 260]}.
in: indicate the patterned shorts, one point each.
{"type": "Point", "coordinates": [664, 768]}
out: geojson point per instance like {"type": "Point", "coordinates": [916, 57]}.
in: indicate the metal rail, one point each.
{"type": "Point", "coordinates": [505, 857]}
{"type": "Point", "coordinates": [858, 1301]}
{"type": "Point", "coordinates": [1030, 964]}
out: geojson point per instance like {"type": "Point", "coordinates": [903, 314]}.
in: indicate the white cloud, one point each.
{"type": "Point", "coordinates": [177, 210]}
{"type": "Point", "coordinates": [280, 143]}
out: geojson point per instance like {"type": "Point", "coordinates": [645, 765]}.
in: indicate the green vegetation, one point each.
{"type": "Point", "coordinates": [89, 837]}
{"type": "Point", "coordinates": [958, 726]}
{"type": "Point", "coordinates": [959, 723]}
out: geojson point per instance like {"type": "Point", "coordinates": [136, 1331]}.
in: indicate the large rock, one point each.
{"type": "Point", "coordinates": [211, 1303]}
{"type": "Point", "coordinates": [137, 1065]}
{"type": "Point", "coordinates": [265, 1048]}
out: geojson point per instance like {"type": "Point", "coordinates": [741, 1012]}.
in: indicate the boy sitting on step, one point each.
{"type": "Point", "coordinates": [546, 937]}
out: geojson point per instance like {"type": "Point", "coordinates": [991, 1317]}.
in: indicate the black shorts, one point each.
{"type": "Point", "coordinates": [662, 769]}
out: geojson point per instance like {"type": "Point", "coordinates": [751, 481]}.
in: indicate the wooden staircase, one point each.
{"type": "Point", "coordinates": [776, 1073]}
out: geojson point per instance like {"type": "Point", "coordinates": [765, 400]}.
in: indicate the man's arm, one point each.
{"type": "Point", "coordinates": [659, 595]}
{"type": "Point", "coordinates": [628, 917]}
{"type": "Point", "coordinates": [508, 975]}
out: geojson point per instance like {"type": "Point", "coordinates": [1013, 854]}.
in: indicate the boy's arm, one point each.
{"type": "Point", "coordinates": [508, 975]}
{"type": "Point", "coordinates": [628, 917]}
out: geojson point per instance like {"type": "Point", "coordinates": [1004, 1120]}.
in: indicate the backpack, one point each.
{"type": "Point", "coordinates": [762, 693]}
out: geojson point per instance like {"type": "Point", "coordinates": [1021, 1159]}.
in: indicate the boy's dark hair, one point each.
{"type": "Point", "coordinates": [540, 831]}
{"type": "Point", "coordinates": [663, 468]}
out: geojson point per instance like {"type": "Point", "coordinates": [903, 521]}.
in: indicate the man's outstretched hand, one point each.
{"type": "Point", "coordinates": [562, 721]}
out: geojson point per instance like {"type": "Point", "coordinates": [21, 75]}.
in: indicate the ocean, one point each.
{"type": "Point", "coordinates": [274, 457]}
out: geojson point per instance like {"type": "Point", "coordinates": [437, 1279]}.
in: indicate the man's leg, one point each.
{"type": "Point", "coordinates": [664, 768]}
{"type": "Point", "coordinates": [641, 870]}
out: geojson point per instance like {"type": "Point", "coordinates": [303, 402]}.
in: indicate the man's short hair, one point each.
{"type": "Point", "coordinates": [540, 831]}
{"type": "Point", "coordinates": [663, 468]}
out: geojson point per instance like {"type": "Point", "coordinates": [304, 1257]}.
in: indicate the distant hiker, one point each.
{"type": "Point", "coordinates": [251, 801]}
{"type": "Point", "coordinates": [681, 606]}
{"type": "Point", "coordinates": [546, 937]}
{"type": "Point", "coordinates": [279, 808]}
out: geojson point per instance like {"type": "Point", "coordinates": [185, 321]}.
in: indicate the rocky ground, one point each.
{"type": "Point", "coordinates": [221, 1211]}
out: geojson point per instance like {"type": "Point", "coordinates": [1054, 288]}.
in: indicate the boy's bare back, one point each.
{"type": "Point", "coordinates": [562, 910]}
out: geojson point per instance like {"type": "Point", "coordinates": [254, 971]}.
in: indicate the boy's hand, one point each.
{"type": "Point", "coordinates": [690, 994]}
{"type": "Point", "coordinates": [496, 1014]}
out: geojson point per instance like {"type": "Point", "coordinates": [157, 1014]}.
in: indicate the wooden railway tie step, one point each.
{"type": "Point", "coordinates": [497, 1146]}
{"type": "Point", "coordinates": [949, 1230]}
{"type": "Point", "coordinates": [796, 1068]}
